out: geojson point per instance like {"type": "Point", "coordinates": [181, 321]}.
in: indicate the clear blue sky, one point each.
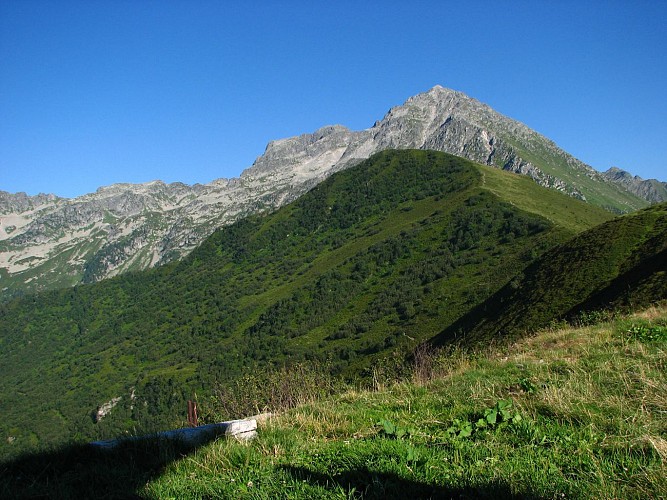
{"type": "Point", "coordinates": [98, 92]}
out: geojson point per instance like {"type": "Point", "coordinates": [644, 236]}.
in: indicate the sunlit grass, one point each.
{"type": "Point", "coordinates": [593, 424]}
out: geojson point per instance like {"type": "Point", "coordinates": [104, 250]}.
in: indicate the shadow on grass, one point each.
{"type": "Point", "coordinates": [369, 484]}
{"type": "Point", "coordinates": [84, 471]}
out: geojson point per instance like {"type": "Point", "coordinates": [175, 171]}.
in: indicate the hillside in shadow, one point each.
{"type": "Point", "coordinates": [86, 471]}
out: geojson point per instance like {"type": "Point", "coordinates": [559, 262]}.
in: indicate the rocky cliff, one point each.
{"type": "Point", "coordinates": [651, 189]}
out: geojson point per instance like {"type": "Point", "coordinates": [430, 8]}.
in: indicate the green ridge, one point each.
{"type": "Point", "coordinates": [619, 264]}
{"type": "Point", "coordinates": [597, 191]}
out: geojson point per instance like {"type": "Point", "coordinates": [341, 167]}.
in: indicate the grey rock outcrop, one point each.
{"type": "Point", "coordinates": [650, 189]}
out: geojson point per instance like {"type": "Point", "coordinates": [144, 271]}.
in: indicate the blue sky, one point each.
{"type": "Point", "coordinates": [98, 92]}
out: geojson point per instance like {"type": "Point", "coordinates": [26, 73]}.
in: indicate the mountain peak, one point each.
{"type": "Point", "coordinates": [651, 189]}
{"type": "Point", "coordinates": [439, 89]}
{"type": "Point", "coordinates": [439, 95]}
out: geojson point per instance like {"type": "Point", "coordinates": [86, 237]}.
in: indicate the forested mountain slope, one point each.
{"type": "Point", "coordinates": [377, 258]}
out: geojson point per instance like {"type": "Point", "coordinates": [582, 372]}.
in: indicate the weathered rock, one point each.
{"type": "Point", "coordinates": [192, 436]}
{"type": "Point", "coordinates": [651, 189]}
{"type": "Point", "coordinates": [105, 409]}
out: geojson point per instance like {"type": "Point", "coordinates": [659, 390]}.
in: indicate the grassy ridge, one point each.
{"type": "Point", "coordinates": [575, 412]}
{"type": "Point", "coordinates": [562, 211]}
{"type": "Point", "coordinates": [597, 191]}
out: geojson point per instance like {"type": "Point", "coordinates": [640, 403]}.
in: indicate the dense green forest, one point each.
{"type": "Point", "coordinates": [371, 262]}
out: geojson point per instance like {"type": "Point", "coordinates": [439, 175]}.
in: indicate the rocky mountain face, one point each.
{"type": "Point", "coordinates": [651, 189]}
{"type": "Point", "coordinates": [449, 121]}
{"type": "Point", "coordinates": [49, 242]}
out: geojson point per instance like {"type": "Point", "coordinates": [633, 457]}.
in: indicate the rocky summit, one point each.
{"type": "Point", "coordinates": [651, 189]}
{"type": "Point", "coordinates": [50, 242]}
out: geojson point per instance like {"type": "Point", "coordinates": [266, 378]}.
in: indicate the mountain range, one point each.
{"type": "Point", "coordinates": [651, 190]}
{"type": "Point", "coordinates": [49, 242]}
{"type": "Point", "coordinates": [315, 253]}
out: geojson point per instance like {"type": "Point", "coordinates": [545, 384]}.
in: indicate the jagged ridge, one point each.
{"type": "Point", "coordinates": [651, 189]}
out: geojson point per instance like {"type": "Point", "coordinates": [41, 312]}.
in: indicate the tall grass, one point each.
{"type": "Point", "coordinates": [591, 423]}
{"type": "Point", "coordinates": [266, 390]}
